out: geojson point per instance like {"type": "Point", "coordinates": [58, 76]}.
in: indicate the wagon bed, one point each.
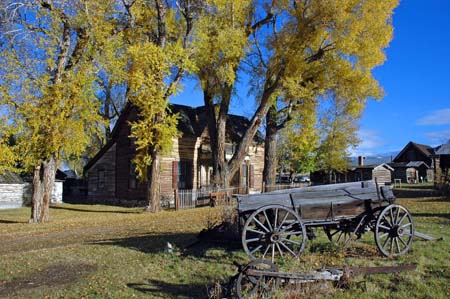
{"type": "Point", "coordinates": [281, 220]}
{"type": "Point", "coordinates": [322, 203]}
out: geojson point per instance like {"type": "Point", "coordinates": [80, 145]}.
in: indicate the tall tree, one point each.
{"type": "Point", "coordinates": [305, 49]}
{"type": "Point", "coordinates": [222, 37]}
{"type": "Point", "coordinates": [325, 46]}
{"type": "Point", "coordinates": [157, 55]}
{"type": "Point", "coordinates": [48, 83]}
{"type": "Point", "coordinates": [339, 127]}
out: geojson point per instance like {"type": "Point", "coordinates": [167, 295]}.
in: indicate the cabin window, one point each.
{"type": "Point", "coordinates": [244, 176]}
{"type": "Point", "coordinates": [185, 174]}
{"type": "Point", "coordinates": [101, 179]}
{"type": "Point", "coordinates": [132, 178]}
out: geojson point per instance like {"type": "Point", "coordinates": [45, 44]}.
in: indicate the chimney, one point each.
{"type": "Point", "coordinates": [361, 160]}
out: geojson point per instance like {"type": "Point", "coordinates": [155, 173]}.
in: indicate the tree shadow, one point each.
{"type": "Point", "coordinates": [415, 193]}
{"type": "Point", "coordinates": [12, 221]}
{"type": "Point", "coordinates": [162, 288]}
{"type": "Point", "coordinates": [442, 215]}
{"type": "Point", "coordinates": [438, 199]}
{"type": "Point", "coordinates": [185, 244]}
{"type": "Point", "coordinates": [93, 211]}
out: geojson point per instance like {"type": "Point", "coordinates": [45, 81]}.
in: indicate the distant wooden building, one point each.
{"type": "Point", "coordinates": [111, 174]}
{"type": "Point", "coordinates": [443, 154]}
{"type": "Point", "coordinates": [415, 163]}
{"type": "Point", "coordinates": [382, 174]}
{"type": "Point", "coordinates": [412, 172]}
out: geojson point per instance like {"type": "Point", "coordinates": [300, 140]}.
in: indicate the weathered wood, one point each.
{"type": "Point", "coordinates": [319, 196]}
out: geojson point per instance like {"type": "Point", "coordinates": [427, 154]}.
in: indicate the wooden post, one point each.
{"type": "Point", "coordinates": [263, 189]}
{"type": "Point", "coordinates": [176, 199]}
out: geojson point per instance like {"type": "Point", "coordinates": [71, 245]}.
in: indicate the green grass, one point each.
{"type": "Point", "coordinates": [112, 252]}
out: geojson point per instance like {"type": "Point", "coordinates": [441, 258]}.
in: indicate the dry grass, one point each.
{"type": "Point", "coordinates": [112, 252]}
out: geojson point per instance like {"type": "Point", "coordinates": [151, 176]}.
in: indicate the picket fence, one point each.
{"type": "Point", "coordinates": [189, 198]}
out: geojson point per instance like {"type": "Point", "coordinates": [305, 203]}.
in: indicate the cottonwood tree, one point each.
{"type": "Point", "coordinates": [48, 83]}
{"type": "Point", "coordinates": [157, 53]}
{"type": "Point", "coordinates": [298, 141]}
{"type": "Point", "coordinates": [295, 51]}
{"type": "Point", "coordinates": [338, 128]}
{"type": "Point", "coordinates": [221, 40]}
{"type": "Point", "coordinates": [323, 46]}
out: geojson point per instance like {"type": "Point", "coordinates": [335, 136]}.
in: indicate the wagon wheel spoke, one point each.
{"type": "Point", "coordinates": [267, 250]}
{"type": "Point", "coordinates": [384, 227]}
{"type": "Point", "coordinates": [261, 225]}
{"type": "Point", "coordinates": [275, 228]}
{"type": "Point", "coordinates": [406, 225]}
{"type": "Point", "coordinates": [291, 241]}
{"type": "Point", "coordinates": [401, 240]}
{"type": "Point", "coordinates": [384, 235]}
{"type": "Point", "coordinates": [396, 216]}
{"type": "Point", "coordinates": [287, 248]}
{"type": "Point", "coordinates": [397, 245]}
{"type": "Point", "coordinates": [256, 249]}
{"type": "Point", "coordinates": [268, 221]}
{"type": "Point", "coordinates": [279, 249]}
{"type": "Point", "coordinates": [252, 240]}
{"type": "Point", "coordinates": [391, 216]}
{"type": "Point", "coordinates": [401, 219]}
{"type": "Point", "coordinates": [391, 246]}
{"type": "Point", "coordinates": [273, 253]}
{"type": "Point", "coordinates": [256, 231]}
{"type": "Point", "coordinates": [283, 221]}
{"type": "Point", "coordinates": [385, 243]}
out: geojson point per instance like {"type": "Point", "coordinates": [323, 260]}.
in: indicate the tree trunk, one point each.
{"type": "Point", "coordinates": [153, 194]}
{"type": "Point", "coordinates": [270, 147]}
{"type": "Point", "coordinates": [43, 183]}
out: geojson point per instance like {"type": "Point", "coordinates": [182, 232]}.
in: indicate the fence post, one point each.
{"type": "Point", "coordinates": [176, 199]}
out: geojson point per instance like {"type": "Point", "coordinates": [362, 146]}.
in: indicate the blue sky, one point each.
{"type": "Point", "coordinates": [415, 77]}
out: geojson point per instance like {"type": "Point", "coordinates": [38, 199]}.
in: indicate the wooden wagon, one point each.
{"type": "Point", "coordinates": [278, 223]}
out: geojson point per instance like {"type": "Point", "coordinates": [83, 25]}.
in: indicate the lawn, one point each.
{"type": "Point", "coordinates": [111, 252]}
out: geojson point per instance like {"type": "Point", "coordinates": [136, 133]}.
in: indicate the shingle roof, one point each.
{"type": "Point", "coordinates": [444, 149]}
{"type": "Point", "coordinates": [416, 164]}
{"type": "Point", "coordinates": [192, 121]}
{"type": "Point", "coordinates": [9, 177]}
{"type": "Point", "coordinates": [426, 149]}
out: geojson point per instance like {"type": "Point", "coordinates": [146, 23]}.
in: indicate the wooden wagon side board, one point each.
{"type": "Point", "coordinates": [318, 196]}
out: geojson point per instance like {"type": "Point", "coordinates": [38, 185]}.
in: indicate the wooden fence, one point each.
{"type": "Point", "coordinates": [188, 199]}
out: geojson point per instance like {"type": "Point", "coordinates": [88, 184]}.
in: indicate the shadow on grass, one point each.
{"type": "Point", "coordinates": [186, 244]}
{"type": "Point", "coordinates": [12, 221]}
{"type": "Point", "coordinates": [443, 215]}
{"type": "Point", "coordinates": [93, 211]}
{"type": "Point", "coordinates": [415, 193]}
{"type": "Point", "coordinates": [172, 289]}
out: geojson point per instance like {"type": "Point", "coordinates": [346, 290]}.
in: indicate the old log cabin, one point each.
{"type": "Point", "coordinates": [111, 174]}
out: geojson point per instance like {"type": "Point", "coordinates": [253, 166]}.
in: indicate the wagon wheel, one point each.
{"type": "Point", "coordinates": [337, 235]}
{"type": "Point", "coordinates": [273, 231]}
{"type": "Point", "coordinates": [258, 286]}
{"type": "Point", "coordinates": [394, 230]}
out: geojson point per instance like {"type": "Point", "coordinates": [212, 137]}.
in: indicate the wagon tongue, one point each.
{"type": "Point", "coordinates": [354, 271]}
